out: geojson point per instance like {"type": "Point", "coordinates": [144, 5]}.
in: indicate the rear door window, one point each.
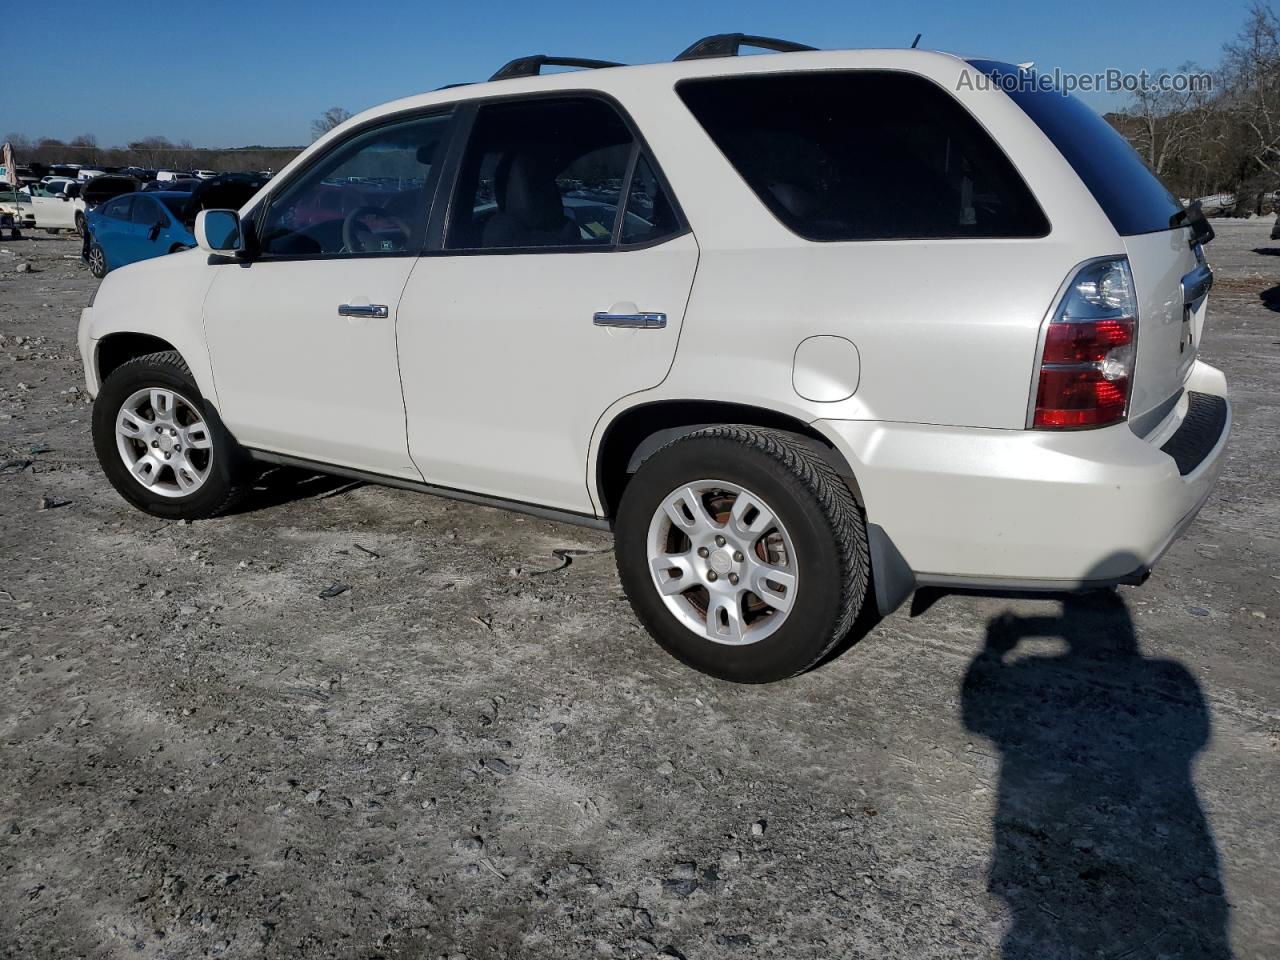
{"type": "Point", "coordinates": [650, 215]}
{"type": "Point", "coordinates": [1130, 194]}
{"type": "Point", "coordinates": [541, 173]}
{"type": "Point", "coordinates": [146, 212]}
{"type": "Point", "coordinates": [864, 155]}
{"type": "Point", "coordinates": [557, 174]}
{"type": "Point", "coordinates": [118, 209]}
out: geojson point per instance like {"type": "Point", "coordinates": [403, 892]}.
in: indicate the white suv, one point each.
{"type": "Point", "coordinates": [800, 329]}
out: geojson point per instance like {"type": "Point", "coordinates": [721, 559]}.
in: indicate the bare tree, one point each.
{"type": "Point", "coordinates": [328, 120]}
{"type": "Point", "coordinates": [1251, 67]}
{"type": "Point", "coordinates": [20, 141]}
{"type": "Point", "coordinates": [1167, 126]}
{"type": "Point", "coordinates": [154, 151]}
{"type": "Point", "coordinates": [84, 148]}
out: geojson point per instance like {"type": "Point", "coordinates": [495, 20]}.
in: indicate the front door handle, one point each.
{"type": "Point", "coordinates": [377, 311]}
{"type": "Point", "coordinates": [634, 321]}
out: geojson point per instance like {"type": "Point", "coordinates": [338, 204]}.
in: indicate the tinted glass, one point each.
{"type": "Point", "coordinates": [177, 206]}
{"type": "Point", "coordinates": [367, 196]}
{"type": "Point", "coordinates": [650, 215]}
{"type": "Point", "coordinates": [1133, 198]}
{"type": "Point", "coordinates": [866, 155]}
{"type": "Point", "coordinates": [118, 209]}
{"type": "Point", "coordinates": [545, 173]}
{"type": "Point", "coordinates": [146, 212]}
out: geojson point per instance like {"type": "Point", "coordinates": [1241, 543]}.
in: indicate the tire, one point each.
{"type": "Point", "coordinates": [98, 261]}
{"type": "Point", "coordinates": [79, 224]}
{"type": "Point", "coordinates": [216, 468]}
{"type": "Point", "coordinates": [815, 519]}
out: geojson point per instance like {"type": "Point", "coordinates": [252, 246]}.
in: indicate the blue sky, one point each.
{"type": "Point", "coordinates": [230, 74]}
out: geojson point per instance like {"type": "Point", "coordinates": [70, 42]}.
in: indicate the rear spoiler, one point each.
{"type": "Point", "coordinates": [1193, 217]}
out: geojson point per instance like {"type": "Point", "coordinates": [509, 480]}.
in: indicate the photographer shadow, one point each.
{"type": "Point", "coordinates": [1101, 847]}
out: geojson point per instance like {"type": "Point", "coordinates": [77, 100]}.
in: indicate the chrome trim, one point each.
{"type": "Point", "coordinates": [633, 321]}
{"type": "Point", "coordinates": [375, 310]}
{"type": "Point", "coordinates": [1196, 284]}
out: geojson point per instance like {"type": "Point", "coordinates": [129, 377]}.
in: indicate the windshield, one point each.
{"type": "Point", "coordinates": [1132, 197]}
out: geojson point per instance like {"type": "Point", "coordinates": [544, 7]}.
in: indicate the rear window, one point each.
{"type": "Point", "coordinates": [1132, 197]}
{"type": "Point", "coordinates": [177, 205]}
{"type": "Point", "coordinates": [864, 155]}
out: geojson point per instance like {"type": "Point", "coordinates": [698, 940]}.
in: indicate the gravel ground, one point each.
{"type": "Point", "coordinates": [469, 748]}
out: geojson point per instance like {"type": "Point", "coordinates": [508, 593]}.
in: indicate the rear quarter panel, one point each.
{"type": "Point", "coordinates": [946, 329]}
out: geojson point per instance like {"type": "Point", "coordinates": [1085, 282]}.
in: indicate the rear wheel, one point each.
{"type": "Point", "coordinates": [79, 223]}
{"type": "Point", "coordinates": [161, 446]}
{"type": "Point", "coordinates": [742, 552]}
{"type": "Point", "coordinates": [97, 260]}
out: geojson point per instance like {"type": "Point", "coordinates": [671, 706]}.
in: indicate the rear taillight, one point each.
{"type": "Point", "coordinates": [1086, 364]}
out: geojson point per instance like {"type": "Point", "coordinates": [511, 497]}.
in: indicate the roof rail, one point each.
{"type": "Point", "coordinates": [532, 66]}
{"type": "Point", "coordinates": [728, 45]}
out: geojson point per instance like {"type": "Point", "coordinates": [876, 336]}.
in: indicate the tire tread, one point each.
{"type": "Point", "coordinates": [835, 501]}
{"type": "Point", "coordinates": [238, 486]}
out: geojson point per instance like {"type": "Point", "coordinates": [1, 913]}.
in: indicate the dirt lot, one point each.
{"type": "Point", "coordinates": [474, 751]}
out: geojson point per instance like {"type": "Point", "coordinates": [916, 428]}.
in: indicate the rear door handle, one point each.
{"type": "Point", "coordinates": [635, 321]}
{"type": "Point", "coordinates": [377, 311]}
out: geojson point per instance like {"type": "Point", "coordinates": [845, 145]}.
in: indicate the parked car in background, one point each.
{"type": "Point", "coordinates": [55, 204]}
{"type": "Point", "coordinates": [205, 174]}
{"type": "Point", "coordinates": [149, 224]}
{"type": "Point", "coordinates": [17, 206]}
{"type": "Point", "coordinates": [98, 191]}
{"type": "Point", "coordinates": [182, 184]}
{"type": "Point", "coordinates": [136, 227]}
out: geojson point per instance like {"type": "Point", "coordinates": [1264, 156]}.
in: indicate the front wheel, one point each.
{"type": "Point", "coordinates": [97, 260]}
{"type": "Point", "coordinates": [742, 552]}
{"type": "Point", "coordinates": [161, 446]}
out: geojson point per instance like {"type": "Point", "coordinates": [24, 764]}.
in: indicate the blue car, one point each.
{"type": "Point", "coordinates": [137, 226]}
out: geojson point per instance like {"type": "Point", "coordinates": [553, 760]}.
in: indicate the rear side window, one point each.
{"type": "Point", "coordinates": [1132, 197]}
{"type": "Point", "coordinates": [864, 155]}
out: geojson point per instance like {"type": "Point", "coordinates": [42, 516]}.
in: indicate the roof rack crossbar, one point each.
{"type": "Point", "coordinates": [532, 66]}
{"type": "Point", "coordinates": [728, 45]}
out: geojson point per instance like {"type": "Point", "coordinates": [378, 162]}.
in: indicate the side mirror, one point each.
{"type": "Point", "coordinates": [218, 231]}
{"type": "Point", "coordinates": [63, 197]}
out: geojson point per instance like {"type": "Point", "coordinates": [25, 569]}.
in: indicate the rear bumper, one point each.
{"type": "Point", "coordinates": [1025, 509]}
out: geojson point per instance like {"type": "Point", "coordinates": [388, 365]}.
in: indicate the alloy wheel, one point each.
{"type": "Point", "coordinates": [164, 442]}
{"type": "Point", "coordinates": [723, 562]}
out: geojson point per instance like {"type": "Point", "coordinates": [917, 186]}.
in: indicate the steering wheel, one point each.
{"type": "Point", "coordinates": [352, 228]}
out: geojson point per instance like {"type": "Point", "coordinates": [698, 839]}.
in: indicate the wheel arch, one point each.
{"type": "Point", "coordinates": [116, 349]}
{"type": "Point", "coordinates": [639, 431]}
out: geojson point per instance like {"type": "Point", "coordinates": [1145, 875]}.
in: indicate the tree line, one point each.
{"type": "Point", "coordinates": [1220, 141]}
{"type": "Point", "coordinates": [153, 153]}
